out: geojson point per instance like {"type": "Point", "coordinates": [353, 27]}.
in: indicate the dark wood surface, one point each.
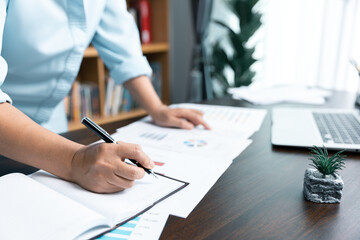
{"type": "Point", "coordinates": [260, 195]}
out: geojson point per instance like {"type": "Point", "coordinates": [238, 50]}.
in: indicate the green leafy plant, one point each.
{"type": "Point", "coordinates": [325, 164]}
{"type": "Point", "coordinates": [242, 57]}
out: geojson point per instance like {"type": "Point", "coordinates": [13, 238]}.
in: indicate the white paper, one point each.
{"type": "Point", "coordinates": [197, 156]}
{"type": "Point", "coordinates": [278, 94]}
{"type": "Point", "coordinates": [116, 207]}
{"type": "Point", "coordinates": [29, 210]}
{"type": "Point", "coordinates": [200, 168]}
{"type": "Point", "coordinates": [199, 142]}
{"type": "Point", "coordinates": [146, 226]}
{"type": "Point", "coordinates": [229, 119]}
{"type": "Point", "coordinates": [202, 173]}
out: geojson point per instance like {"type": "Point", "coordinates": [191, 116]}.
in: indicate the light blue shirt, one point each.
{"type": "Point", "coordinates": [43, 43]}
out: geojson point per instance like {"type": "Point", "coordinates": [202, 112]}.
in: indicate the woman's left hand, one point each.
{"type": "Point", "coordinates": [179, 117]}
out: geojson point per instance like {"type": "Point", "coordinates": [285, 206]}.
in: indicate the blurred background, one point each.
{"type": "Point", "coordinates": [299, 42]}
{"type": "Point", "coordinates": [198, 49]}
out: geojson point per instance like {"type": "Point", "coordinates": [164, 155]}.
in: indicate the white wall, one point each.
{"type": "Point", "coordinates": [305, 42]}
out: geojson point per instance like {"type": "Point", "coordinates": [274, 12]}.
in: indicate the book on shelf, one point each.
{"type": "Point", "coordinates": [113, 97]}
{"type": "Point", "coordinates": [109, 89]}
{"type": "Point", "coordinates": [117, 99]}
{"type": "Point", "coordinates": [141, 11]}
{"type": "Point", "coordinates": [82, 100]}
{"type": "Point", "coordinates": [42, 206]}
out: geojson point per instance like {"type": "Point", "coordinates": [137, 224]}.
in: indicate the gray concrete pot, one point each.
{"type": "Point", "coordinates": [320, 189]}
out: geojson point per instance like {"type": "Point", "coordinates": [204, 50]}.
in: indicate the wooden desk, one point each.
{"type": "Point", "coordinates": [260, 195]}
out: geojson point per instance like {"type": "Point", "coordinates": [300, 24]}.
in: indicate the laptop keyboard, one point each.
{"type": "Point", "coordinates": [338, 127]}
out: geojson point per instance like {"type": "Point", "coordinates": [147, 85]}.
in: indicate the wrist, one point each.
{"type": "Point", "coordinates": [155, 111]}
{"type": "Point", "coordinates": [70, 165]}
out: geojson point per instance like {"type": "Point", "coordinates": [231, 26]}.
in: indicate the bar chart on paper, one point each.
{"type": "Point", "coordinates": [122, 232]}
{"type": "Point", "coordinates": [146, 226]}
{"type": "Point", "coordinates": [153, 136]}
{"type": "Point", "coordinates": [197, 142]}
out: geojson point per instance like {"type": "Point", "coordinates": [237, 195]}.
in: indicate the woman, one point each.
{"type": "Point", "coordinates": [43, 44]}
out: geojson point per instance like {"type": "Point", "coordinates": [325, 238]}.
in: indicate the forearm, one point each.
{"type": "Point", "coordinates": [144, 93]}
{"type": "Point", "coordinates": [25, 141]}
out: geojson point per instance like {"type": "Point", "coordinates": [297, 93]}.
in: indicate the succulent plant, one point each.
{"type": "Point", "coordinates": [325, 164]}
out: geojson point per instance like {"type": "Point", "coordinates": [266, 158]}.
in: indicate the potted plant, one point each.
{"type": "Point", "coordinates": [323, 184]}
{"type": "Point", "coordinates": [242, 58]}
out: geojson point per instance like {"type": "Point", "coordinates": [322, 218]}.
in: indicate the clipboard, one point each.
{"type": "Point", "coordinates": [148, 208]}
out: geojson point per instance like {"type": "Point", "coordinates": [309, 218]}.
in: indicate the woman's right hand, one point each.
{"type": "Point", "coordinates": [101, 168]}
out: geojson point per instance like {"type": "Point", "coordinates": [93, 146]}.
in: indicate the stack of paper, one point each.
{"type": "Point", "coordinates": [197, 156]}
{"type": "Point", "coordinates": [278, 94]}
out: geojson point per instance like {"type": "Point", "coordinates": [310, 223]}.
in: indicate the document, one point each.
{"type": "Point", "coordinates": [278, 94]}
{"type": "Point", "coordinates": [201, 173]}
{"type": "Point", "coordinates": [199, 142]}
{"type": "Point", "coordinates": [225, 119]}
{"type": "Point", "coordinates": [45, 207]}
{"type": "Point", "coordinates": [197, 156]}
{"type": "Point", "coordinates": [148, 225]}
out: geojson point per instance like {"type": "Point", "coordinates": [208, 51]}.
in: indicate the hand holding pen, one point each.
{"type": "Point", "coordinates": [101, 167]}
{"type": "Point", "coordinates": [100, 132]}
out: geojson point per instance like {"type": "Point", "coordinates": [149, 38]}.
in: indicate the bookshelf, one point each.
{"type": "Point", "coordinates": [93, 70]}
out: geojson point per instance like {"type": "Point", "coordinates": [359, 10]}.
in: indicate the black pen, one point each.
{"type": "Point", "coordinates": [100, 132]}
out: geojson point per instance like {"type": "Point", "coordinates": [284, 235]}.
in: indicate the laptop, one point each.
{"type": "Point", "coordinates": [335, 129]}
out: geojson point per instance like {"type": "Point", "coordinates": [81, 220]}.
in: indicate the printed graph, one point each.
{"type": "Point", "coordinates": [225, 115]}
{"type": "Point", "coordinates": [146, 226]}
{"type": "Point", "coordinates": [153, 136]}
{"type": "Point", "coordinates": [195, 143]}
{"type": "Point", "coordinates": [123, 232]}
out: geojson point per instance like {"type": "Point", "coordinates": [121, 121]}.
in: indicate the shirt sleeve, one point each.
{"type": "Point", "coordinates": [118, 43]}
{"type": "Point", "coordinates": [3, 65]}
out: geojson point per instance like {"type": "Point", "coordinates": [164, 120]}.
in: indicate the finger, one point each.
{"type": "Point", "coordinates": [181, 123]}
{"type": "Point", "coordinates": [193, 117]}
{"type": "Point", "coordinates": [205, 125]}
{"type": "Point", "coordinates": [197, 112]}
{"type": "Point", "coordinates": [108, 187]}
{"type": "Point", "coordinates": [128, 172]}
{"type": "Point", "coordinates": [134, 151]}
{"type": "Point", "coordinates": [117, 183]}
